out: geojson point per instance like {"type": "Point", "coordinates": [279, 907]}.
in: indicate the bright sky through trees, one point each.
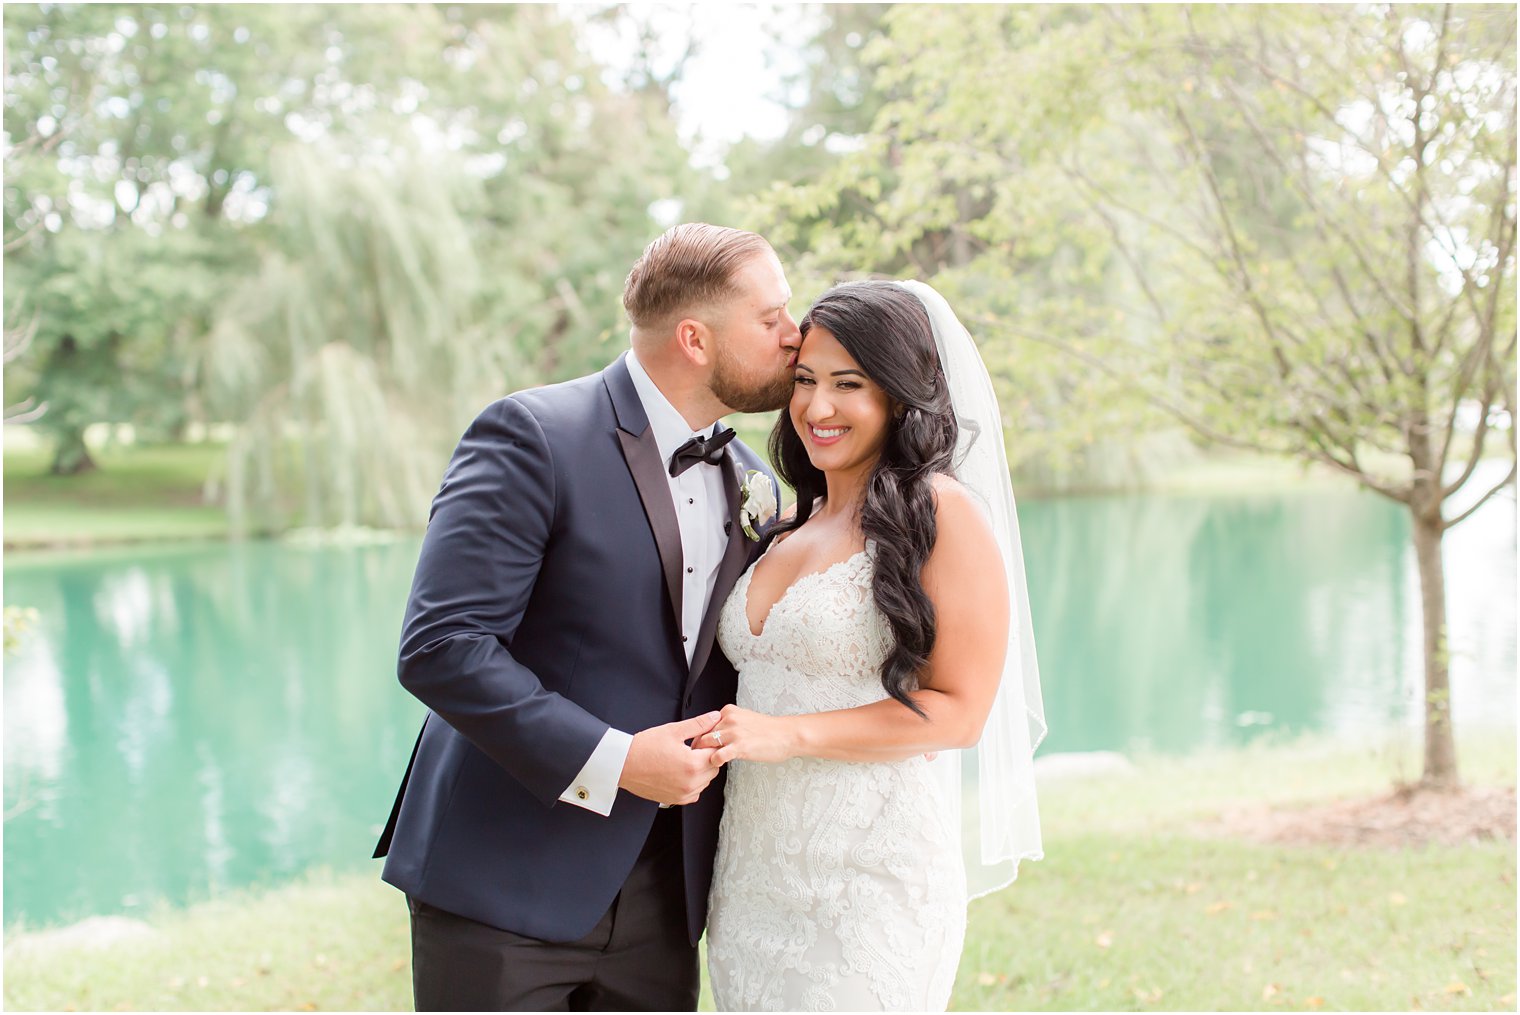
{"type": "Point", "coordinates": [735, 83]}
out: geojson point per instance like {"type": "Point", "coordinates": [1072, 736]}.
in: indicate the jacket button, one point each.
{"type": "Point", "coordinates": [581, 793]}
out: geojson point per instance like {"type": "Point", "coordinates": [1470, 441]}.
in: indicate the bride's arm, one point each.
{"type": "Point", "coordinates": [969, 591]}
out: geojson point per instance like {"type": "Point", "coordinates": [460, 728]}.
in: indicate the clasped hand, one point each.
{"type": "Point", "coordinates": [674, 763]}
{"type": "Point", "coordinates": [662, 767]}
{"type": "Point", "coordinates": [748, 736]}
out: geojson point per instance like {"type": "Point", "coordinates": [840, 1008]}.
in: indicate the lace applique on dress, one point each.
{"type": "Point", "coordinates": [838, 885]}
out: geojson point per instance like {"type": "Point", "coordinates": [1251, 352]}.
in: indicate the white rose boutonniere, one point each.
{"type": "Point", "coordinates": [757, 502]}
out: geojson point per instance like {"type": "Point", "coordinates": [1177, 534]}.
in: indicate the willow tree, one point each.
{"type": "Point", "coordinates": [137, 146]}
{"type": "Point", "coordinates": [350, 357]}
{"type": "Point", "coordinates": [142, 187]}
{"type": "Point", "coordinates": [471, 245]}
{"type": "Point", "coordinates": [1303, 218]}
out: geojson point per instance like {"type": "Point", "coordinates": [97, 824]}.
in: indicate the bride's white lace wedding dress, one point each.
{"type": "Point", "coordinates": [839, 885]}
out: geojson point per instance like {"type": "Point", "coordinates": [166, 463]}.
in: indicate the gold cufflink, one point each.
{"type": "Point", "coordinates": [581, 794]}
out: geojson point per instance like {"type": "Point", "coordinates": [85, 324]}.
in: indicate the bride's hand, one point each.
{"type": "Point", "coordinates": [742, 735]}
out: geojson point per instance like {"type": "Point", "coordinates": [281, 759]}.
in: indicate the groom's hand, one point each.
{"type": "Point", "coordinates": [661, 767]}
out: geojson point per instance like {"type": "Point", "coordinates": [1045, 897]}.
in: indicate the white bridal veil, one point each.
{"type": "Point", "coordinates": [993, 782]}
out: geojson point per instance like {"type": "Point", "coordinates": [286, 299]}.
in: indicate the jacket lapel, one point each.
{"type": "Point", "coordinates": [735, 555]}
{"type": "Point", "coordinates": [642, 455]}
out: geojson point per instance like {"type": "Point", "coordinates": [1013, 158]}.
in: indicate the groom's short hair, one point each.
{"type": "Point", "coordinates": [690, 267]}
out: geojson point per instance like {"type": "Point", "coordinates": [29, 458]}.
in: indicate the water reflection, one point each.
{"type": "Point", "coordinates": [213, 717]}
{"type": "Point", "coordinates": [1174, 622]}
{"type": "Point", "coordinates": [36, 730]}
{"type": "Point", "coordinates": [186, 720]}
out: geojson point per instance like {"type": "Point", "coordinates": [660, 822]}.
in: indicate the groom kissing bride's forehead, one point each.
{"type": "Point", "coordinates": [555, 830]}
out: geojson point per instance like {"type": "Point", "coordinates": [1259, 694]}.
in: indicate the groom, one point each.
{"type": "Point", "coordinates": [560, 631]}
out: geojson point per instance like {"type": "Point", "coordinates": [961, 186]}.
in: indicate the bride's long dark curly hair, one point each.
{"type": "Point", "coordinates": [885, 329]}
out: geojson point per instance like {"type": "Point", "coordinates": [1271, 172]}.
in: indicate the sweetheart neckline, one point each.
{"type": "Point", "coordinates": [765, 621]}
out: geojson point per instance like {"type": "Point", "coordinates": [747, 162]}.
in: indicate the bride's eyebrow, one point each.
{"type": "Point", "coordinates": [804, 366]}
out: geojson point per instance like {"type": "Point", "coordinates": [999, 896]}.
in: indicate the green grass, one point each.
{"type": "Point", "coordinates": [1132, 909]}
{"type": "Point", "coordinates": [330, 943]}
{"type": "Point", "coordinates": [1169, 921]}
{"type": "Point", "coordinates": [139, 493]}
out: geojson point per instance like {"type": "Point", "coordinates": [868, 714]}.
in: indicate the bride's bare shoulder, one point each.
{"type": "Point", "coordinates": [952, 495]}
{"type": "Point", "coordinates": [941, 482]}
{"type": "Point", "coordinates": [963, 533]}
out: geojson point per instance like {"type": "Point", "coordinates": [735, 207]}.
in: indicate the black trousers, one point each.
{"type": "Point", "coordinates": [637, 957]}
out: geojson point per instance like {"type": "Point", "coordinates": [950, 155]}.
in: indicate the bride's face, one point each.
{"type": "Point", "coordinates": [840, 413]}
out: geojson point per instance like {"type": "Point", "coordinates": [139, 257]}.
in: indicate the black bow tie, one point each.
{"type": "Point", "coordinates": [699, 450]}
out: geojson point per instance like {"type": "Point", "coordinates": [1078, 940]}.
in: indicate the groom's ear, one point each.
{"type": "Point", "coordinates": [696, 342]}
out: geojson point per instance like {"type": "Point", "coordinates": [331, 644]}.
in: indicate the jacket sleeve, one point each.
{"type": "Point", "coordinates": [486, 538]}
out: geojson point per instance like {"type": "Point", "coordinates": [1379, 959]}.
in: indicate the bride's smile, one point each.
{"type": "Point", "coordinates": [840, 413]}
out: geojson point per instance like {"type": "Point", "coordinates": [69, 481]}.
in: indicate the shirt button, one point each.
{"type": "Point", "coordinates": [683, 637]}
{"type": "Point", "coordinates": [691, 570]}
{"type": "Point", "coordinates": [691, 500]}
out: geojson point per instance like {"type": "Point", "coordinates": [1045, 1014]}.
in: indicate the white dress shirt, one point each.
{"type": "Point", "coordinates": [700, 503]}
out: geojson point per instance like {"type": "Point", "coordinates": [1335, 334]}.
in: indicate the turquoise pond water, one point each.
{"type": "Point", "coordinates": [189, 719]}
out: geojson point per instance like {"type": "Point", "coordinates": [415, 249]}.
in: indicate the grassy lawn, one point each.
{"type": "Point", "coordinates": [138, 493]}
{"type": "Point", "coordinates": [1138, 906]}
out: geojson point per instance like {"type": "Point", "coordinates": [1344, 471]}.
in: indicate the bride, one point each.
{"type": "Point", "coordinates": [884, 654]}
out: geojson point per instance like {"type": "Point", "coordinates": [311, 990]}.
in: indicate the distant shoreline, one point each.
{"type": "Point", "coordinates": [152, 495]}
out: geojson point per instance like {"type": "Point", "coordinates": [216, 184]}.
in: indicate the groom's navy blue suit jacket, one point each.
{"type": "Point", "coordinates": [544, 609]}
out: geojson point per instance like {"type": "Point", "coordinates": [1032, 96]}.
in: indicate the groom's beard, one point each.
{"type": "Point", "coordinates": [749, 392]}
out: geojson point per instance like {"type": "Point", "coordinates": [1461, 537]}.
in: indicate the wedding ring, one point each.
{"type": "Point", "coordinates": [718, 736]}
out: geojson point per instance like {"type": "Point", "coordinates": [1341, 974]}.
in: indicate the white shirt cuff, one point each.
{"type": "Point", "coordinates": [596, 785]}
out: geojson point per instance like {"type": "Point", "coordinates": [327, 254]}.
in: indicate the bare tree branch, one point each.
{"type": "Point", "coordinates": [1302, 178]}
{"type": "Point", "coordinates": [15, 243]}
{"type": "Point", "coordinates": [1459, 519]}
{"type": "Point", "coordinates": [1349, 465]}
{"type": "Point", "coordinates": [1383, 168]}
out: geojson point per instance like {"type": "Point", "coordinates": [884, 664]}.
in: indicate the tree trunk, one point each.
{"type": "Point", "coordinates": [72, 456]}
{"type": "Point", "coordinates": [1440, 747]}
